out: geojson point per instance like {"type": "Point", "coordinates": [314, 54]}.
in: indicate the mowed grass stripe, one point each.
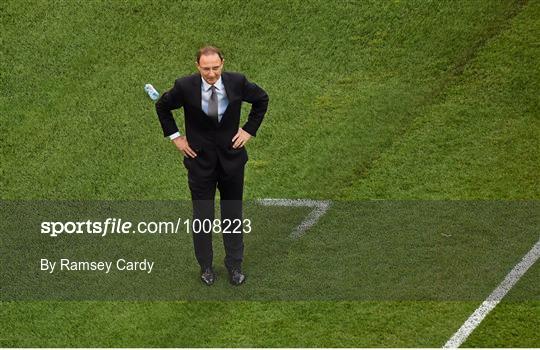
{"type": "Point", "coordinates": [482, 141]}
{"type": "Point", "coordinates": [513, 323]}
{"type": "Point", "coordinates": [242, 324]}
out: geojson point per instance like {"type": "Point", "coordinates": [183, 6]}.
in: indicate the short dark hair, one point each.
{"type": "Point", "coordinates": [207, 50]}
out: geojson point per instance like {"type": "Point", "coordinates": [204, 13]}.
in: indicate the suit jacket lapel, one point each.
{"type": "Point", "coordinates": [197, 91]}
{"type": "Point", "coordinates": [227, 84]}
{"type": "Point", "coordinates": [225, 77]}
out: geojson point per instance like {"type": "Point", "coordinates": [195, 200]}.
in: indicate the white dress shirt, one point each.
{"type": "Point", "coordinates": [223, 101]}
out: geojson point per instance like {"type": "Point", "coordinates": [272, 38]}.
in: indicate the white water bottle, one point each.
{"type": "Point", "coordinates": [152, 93]}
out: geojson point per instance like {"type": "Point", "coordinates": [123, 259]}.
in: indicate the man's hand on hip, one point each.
{"type": "Point", "coordinates": [183, 146]}
{"type": "Point", "coordinates": [241, 138]}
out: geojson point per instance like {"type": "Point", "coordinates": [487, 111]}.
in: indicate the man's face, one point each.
{"type": "Point", "coordinates": [210, 67]}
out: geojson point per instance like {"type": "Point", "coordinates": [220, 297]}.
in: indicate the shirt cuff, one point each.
{"type": "Point", "coordinates": [175, 135]}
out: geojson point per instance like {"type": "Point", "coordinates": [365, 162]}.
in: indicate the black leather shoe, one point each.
{"type": "Point", "coordinates": [208, 276]}
{"type": "Point", "coordinates": [236, 277]}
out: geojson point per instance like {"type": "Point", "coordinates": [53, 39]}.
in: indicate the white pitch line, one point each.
{"type": "Point", "coordinates": [319, 209]}
{"type": "Point", "coordinates": [494, 298]}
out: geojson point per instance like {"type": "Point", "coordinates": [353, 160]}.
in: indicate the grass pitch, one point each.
{"type": "Point", "coordinates": [372, 100]}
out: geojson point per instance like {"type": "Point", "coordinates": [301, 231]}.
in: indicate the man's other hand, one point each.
{"type": "Point", "coordinates": [241, 138]}
{"type": "Point", "coordinates": [182, 144]}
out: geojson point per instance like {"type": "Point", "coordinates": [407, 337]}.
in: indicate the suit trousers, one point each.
{"type": "Point", "coordinates": [203, 191]}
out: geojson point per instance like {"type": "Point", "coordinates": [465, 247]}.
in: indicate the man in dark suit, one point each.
{"type": "Point", "coordinates": [213, 148]}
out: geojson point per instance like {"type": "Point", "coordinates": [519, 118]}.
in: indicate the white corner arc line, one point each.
{"type": "Point", "coordinates": [494, 298]}
{"type": "Point", "coordinates": [319, 209]}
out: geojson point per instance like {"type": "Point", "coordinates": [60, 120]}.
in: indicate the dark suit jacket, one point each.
{"type": "Point", "coordinates": [212, 142]}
